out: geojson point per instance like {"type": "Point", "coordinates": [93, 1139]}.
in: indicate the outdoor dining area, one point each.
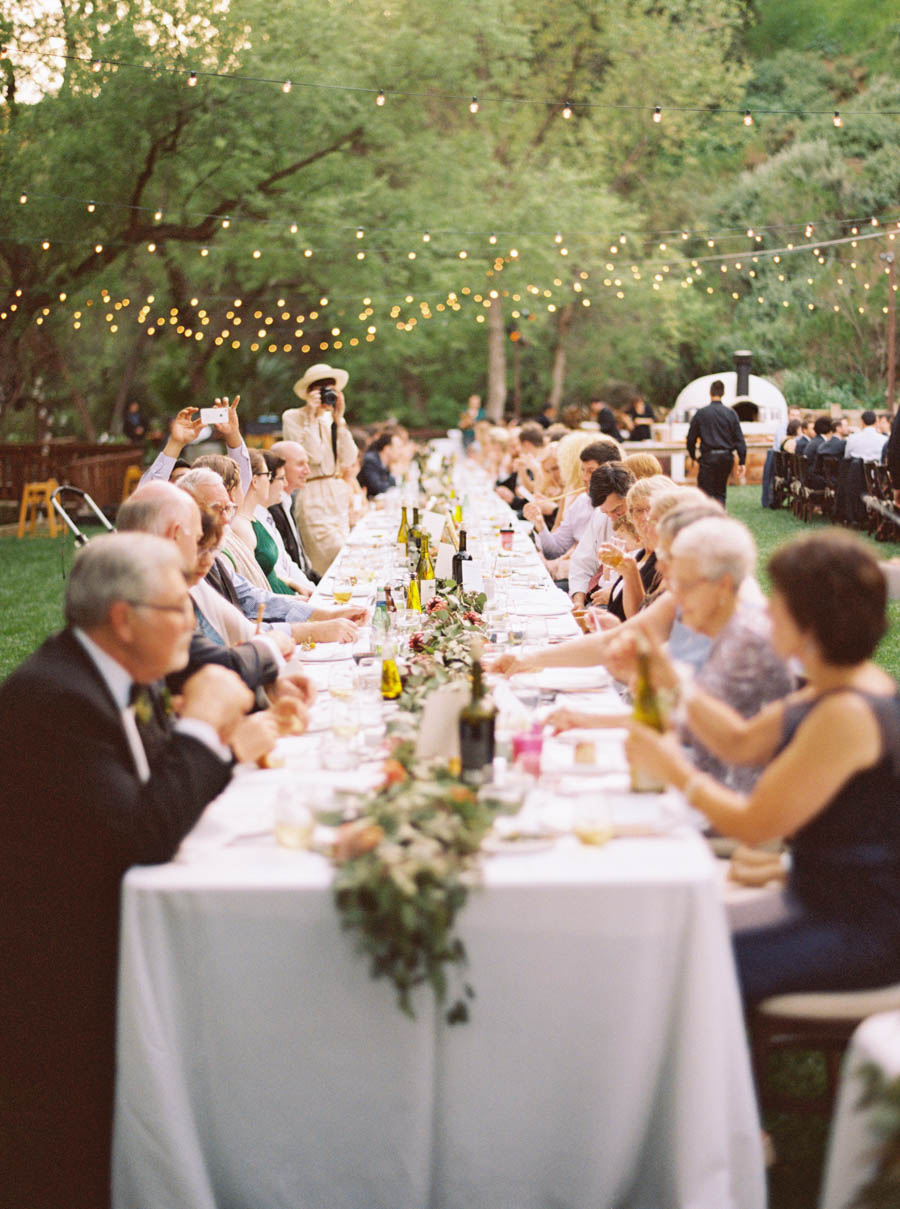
{"type": "Point", "coordinates": [583, 1040]}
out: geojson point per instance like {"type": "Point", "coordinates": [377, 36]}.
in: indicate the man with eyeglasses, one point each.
{"type": "Point", "coordinates": [84, 798]}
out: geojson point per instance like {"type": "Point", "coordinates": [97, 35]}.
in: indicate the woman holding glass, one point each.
{"type": "Point", "coordinates": [831, 779]}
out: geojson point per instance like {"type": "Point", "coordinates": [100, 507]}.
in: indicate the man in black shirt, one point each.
{"type": "Point", "coordinates": [719, 432]}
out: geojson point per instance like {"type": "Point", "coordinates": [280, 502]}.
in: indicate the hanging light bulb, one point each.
{"type": "Point", "coordinates": [557, 238]}
{"type": "Point", "coordinates": [426, 237]}
{"type": "Point", "coordinates": [157, 217]}
{"type": "Point", "coordinates": [809, 230]}
{"type": "Point", "coordinates": [293, 228]}
{"type": "Point", "coordinates": [286, 86]}
{"type": "Point", "coordinates": [360, 232]}
{"type": "Point", "coordinates": [91, 207]}
{"type": "Point", "coordinates": [657, 114]}
{"type": "Point", "coordinates": [837, 120]}
{"type": "Point", "coordinates": [567, 110]}
{"type": "Point", "coordinates": [492, 239]}
{"type": "Point", "coordinates": [748, 118]}
{"type": "Point", "coordinates": [23, 198]}
{"type": "Point", "coordinates": [473, 105]}
{"type": "Point", "coordinates": [380, 99]}
{"type": "Point", "coordinates": [192, 79]}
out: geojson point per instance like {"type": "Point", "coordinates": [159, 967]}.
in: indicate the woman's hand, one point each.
{"type": "Point", "coordinates": [534, 513]}
{"type": "Point", "coordinates": [231, 429]}
{"type": "Point", "coordinates": [253, 737]}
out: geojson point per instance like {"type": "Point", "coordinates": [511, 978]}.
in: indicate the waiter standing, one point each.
{"type": "Point", "coordinates": [719, 432]}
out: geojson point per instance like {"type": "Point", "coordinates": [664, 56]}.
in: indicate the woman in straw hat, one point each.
{"type": "Point", "coordinates": [322, 508]}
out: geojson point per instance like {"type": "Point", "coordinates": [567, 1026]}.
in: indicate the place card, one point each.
{"type": "Point", "coordinates": [433, 524]}
{"type": "Point", "coordinates": [443, 565]}
{"type": "Point", "coordinates": [473, 577]}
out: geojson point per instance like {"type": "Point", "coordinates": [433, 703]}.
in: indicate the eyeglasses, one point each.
{"type": "Point", "coordinates": [184, 608]}
{"type": "Point", "coordinates": [224, 509]}
{"type": "Point", "coordinates": [278, 478]}
{"type": "Point", "coordinates": [261, 474]}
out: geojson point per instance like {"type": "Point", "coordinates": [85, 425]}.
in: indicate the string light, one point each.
{"type": "Point", "coordinates": [473, 105]}
{"type": "Point", "coordinates": [286, 86]}
{"type": "Point", "coordinates": [192, 79]}
{"type": "Point", "coordinates": [380, 99]}
{"type": "Point", "coordinates": [657, 114]}
{"type": "Point", "coordinates": [23, 198]}
{"type": "Point", "coordinates": [567, 110]}
{"type": "Point", "coordinates": [837, 120]}
{"type": "Point", "coordinates": [748, 118]}
{"type": "Point", "coordinates": [360, 232]}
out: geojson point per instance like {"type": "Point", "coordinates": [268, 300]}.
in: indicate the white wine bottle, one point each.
{"type": "Point", "coordinates": [647, 710]}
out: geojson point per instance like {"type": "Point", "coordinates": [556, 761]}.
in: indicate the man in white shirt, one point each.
{"type": "Point", "coordinates": [867, 443]}
{"type": "Point", "coordinates": [296, 472]}
{"type": "Point", "coordinates": [555, 543]}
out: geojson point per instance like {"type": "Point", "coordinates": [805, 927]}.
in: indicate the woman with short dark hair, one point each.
{"type": "Point", "coordinates": [831, 782]}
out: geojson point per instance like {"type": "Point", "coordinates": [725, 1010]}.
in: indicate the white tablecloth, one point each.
{"type": "Point", "coordinates": [849, 1164]}
{"type": "Point", "coordinates": [604, 1064]}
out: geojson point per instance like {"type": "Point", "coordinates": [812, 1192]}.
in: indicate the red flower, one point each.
{"type": "Point", "coordinates": [471, 615]}
{"type": "Point", "coordinates": [435, 605]}
{"type": "Point", "coordinates": [417, 641]}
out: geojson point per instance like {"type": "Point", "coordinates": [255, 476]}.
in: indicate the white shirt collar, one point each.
{"type": "Point", "coordinates": [114, 676]}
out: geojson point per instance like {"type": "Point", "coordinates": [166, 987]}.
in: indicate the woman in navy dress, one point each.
{"type": "Point", "coordinates": [831, 784]}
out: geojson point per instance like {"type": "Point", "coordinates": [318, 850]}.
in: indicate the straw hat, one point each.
{"type": "Point", "coordinates": [316, 373]}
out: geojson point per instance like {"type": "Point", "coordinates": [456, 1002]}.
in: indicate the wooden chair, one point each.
{"type": "Point", "coordinates": [132, 478]}
{"type": "Point", "coordinates": [36, 496]}
{"type": "Point", "coordinates": [830, 467]}
{"type": "Point", "coordinates": [780, 478]}
{"type": "Point", "coordinates": [822, 1021]}
{"type": "Point", "coordinates": [809, 498]}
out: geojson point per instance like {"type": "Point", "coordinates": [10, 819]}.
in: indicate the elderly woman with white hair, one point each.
{"type": "Point", "coordinates": [323, 507]}
{"type": "Point", "coordinates": [707, 565]}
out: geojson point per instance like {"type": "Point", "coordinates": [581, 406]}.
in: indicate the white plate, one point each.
{"type": "Point", "coordinates": [325, 652]}
{"type": "Point", "coordinates": [496, 845]}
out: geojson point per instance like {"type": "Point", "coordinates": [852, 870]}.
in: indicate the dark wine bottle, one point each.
{"type": "Point", "coordinates": [461, 556]}
{"type": "Point", "coordinates": [477, 720]}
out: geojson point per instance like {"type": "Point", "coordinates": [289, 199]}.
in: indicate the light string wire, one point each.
{"type": "Point", "coordinates": [474, 103]}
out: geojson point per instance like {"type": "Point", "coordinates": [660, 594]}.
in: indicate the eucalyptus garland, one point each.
{"type": "Point", "coordinates": [403, 874]}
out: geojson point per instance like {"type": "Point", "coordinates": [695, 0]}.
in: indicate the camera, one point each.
{"type": "Point", "coordinates": [328, 396]}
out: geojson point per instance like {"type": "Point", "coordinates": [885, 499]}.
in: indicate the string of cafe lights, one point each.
{"type": "Point", "coordinates": [361, 231]}
{"type": "Point", "coordinates": [174, 320]}
{"type": "Point", "coordinates": [568, 107]}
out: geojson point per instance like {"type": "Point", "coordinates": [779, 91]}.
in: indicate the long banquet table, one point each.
{"type": "Point", "coordinates": [604, 1063]}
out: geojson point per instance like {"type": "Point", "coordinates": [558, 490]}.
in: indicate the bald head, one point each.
{"type": "Point", "coordinates": [296, 463]}
{"type": "Point", "coordinates": [167, 511]}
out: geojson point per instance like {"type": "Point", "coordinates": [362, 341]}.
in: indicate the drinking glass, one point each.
{"type": "Point", "coordinates": [294, 820]}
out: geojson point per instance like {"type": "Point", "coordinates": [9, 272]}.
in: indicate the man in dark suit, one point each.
{"type": "Point", "coordinates": [296, 472]}
{"type": "Point", "coordinates": [85, 797]}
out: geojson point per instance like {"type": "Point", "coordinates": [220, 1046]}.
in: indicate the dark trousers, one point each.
{"type": "Point", "coordinates": [713, 472]}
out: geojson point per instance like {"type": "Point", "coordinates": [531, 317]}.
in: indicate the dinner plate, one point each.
{"type": "Point", "coordinates": [526, 845]}
{"type": "Point", "coordinates": [325, 652]}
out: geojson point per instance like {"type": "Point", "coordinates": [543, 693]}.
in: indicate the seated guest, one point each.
{"type": "Point", "coordinates": [609, 487]}
{"type": "Point", "coordinates": [579, 455]}
{"type": "Point", "coordinates": [789, 443]}
{"type": "Point", "coordinates": [806, 434]}
{"type": "Point", "coordinates": [91, 786]}
{"type": "Point", "coordinates": [298, 568]}
{"type": "Point", "coordinates": [606, 418]}
{"type": "Point", "coordinates": [281, 612]}
{"type": "Point", "coordinates": [643, 465]}
{"type": "Point", "coordinates": [523, 464]}
{"type": "Point", "coordinates": [822, 427]}
{"type": "Point", "coordinates": [638, 417]}
{"type": "Point", "coordinates": [868, 442]}
{"type": "Point", "coordinates": [610, 647]}
{"type": "Point", "coordinates": [185, 428]}
{"type": "Point", "coordinates": [375, 473]}
{"type": "Point", "coordinates": [638, 573]}
{"type": "Point", "coordinates": [831, 779]}
{"type": "Point", "coordinates": [169, 512]}
{"type": "Point", "coordinates": [266, 547]}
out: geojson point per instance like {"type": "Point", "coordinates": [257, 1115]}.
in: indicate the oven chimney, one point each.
{"type": "Point", "coordinates": [742, 359]}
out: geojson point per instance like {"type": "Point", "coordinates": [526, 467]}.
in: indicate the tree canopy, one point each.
{"type": "Point", "coordinates": [202, 199]}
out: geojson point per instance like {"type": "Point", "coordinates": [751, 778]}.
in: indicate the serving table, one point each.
{"type": "Point", "coordinates": [604, 1063]}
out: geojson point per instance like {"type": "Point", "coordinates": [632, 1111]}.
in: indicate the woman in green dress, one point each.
{"type": "Point", "coordinates": [266, 483]}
